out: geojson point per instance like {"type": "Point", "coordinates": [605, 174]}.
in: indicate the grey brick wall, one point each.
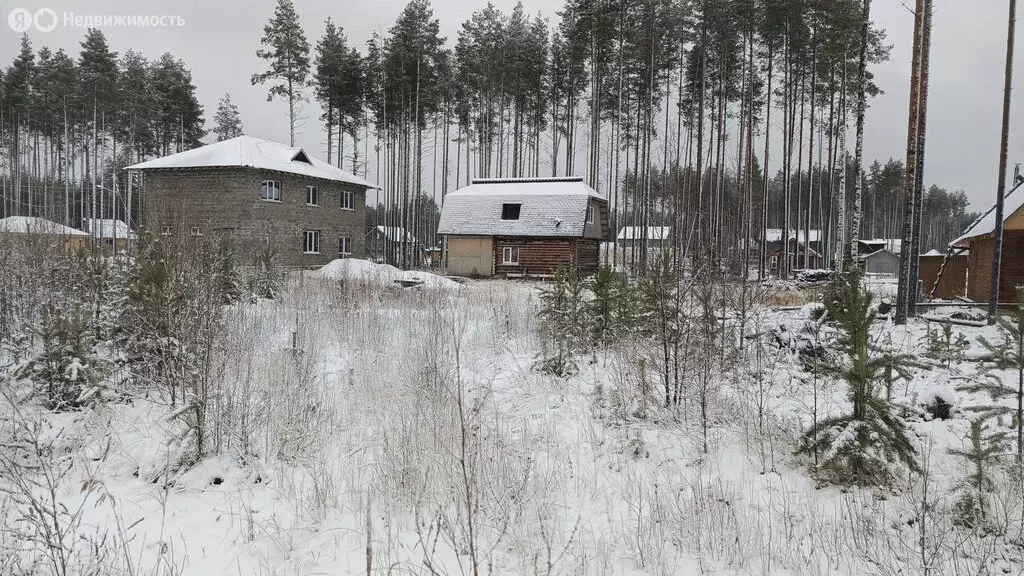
{"type": "Point", "coordinates": [227, 201]}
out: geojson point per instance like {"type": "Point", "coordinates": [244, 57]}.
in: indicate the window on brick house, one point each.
{"type": "Point", "coordinates": [510, 255]}
{"type": "Point", "coordinates": [270, 191]}
{"type": "Point", "coordinates": [311, 244]}
{"type": "Point", "coordinates": [344, 246]}
{"type": "Point", "coordinates": [347, 200]}
{"type": "Point", "coordinates": [510, 211]}
{"type": "Point", "coordinates": [312, 196]}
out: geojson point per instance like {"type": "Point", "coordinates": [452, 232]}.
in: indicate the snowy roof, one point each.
{"type": "Point", "coordinates": [395, 233]}
{"type": "Point", "coordinates": [878, 253]}
{"type": "Point", "coordinates": [775, 235]}
{"type": "Point", "coordinates": [986, 223]}
{"type": "Point", "coordinates": [933, 252]}
{"type": "Point", "coordinates": [249, 152]}
{"type": "Point", "coordinates": [653, 232]}
{"type": "Point", "coordinates": [35, 225]}
{"type": "Point", "coordinates": [108, 228]}
{"type": "Point", "coordinates": [891, 244]}
{"type": "Point", "coordinates": [548, 207]}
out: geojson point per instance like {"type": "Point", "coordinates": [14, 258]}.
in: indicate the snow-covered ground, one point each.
{"type": "Point", "coordinates": [405, 431]}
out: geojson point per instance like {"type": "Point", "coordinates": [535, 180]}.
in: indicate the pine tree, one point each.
{"type": "Point", "coordinates": [288, 59]}
{"type": "Point", "coordinates": [858, 448]}
{"type": "Point", "coordinates": [327, 78]}
{"type": "Point", "coordinates": [1008, 354]}
{"type": "Point", "coordinates": [564, 323]}
{"type": "Point", "coordinates": [944, 348]}
{"type": "Point", "coordinates": [60, 359]}
{"type": "Point", "coordinates": [227, 122]}
{"type": "Point", "coordinates": [98, 76]}
{"type": "Point", "coordinates": [179, 114]}
{"type": "Point", "coordinates": [134, 125]}
{"type": "Point", "coordinates": [19, 77]}
{"type": "Point", "coordinates": [611, 310]}
{"type": "Point", "coordinates": [981, 454]}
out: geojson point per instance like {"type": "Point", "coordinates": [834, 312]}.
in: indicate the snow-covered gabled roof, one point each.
{"type": "Point", "coordinates": [775, 235]}
{"type": "Point", "coordinates": [548, 207]}
{"type": "Point", "coordinates": [986, 223]}
{"type": "Point", "coordinates": [893, 245]}
{"type": "Point", "coordinates": [878, 253]}
{"type": "Point", "coordinates": [395, 233]}
{"type": "Point", "coordinates": [637, 232]}
{"type": "Point", "coordinates": [35, 225]}
{"type": "Point", "coordinates": [250, 152]}
{"type": "Point", "coordinates": [109, 228]}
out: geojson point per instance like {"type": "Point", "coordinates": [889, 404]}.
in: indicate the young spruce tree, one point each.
{"type": "Point", "coordinates": [859, 448]}
{"type": "Point", "coordinates": [981, 453]}
{"type": "Point", "coordinates": [1007, 355]}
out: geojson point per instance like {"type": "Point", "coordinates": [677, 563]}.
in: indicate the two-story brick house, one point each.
{"type": "Point", "coordinates": [259, 193]}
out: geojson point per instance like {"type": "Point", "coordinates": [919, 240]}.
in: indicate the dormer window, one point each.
{"type": "Point", "coordinates": [510, 211]}
{"type": "Point", "coordinates": [300, 156]}
{"type": "Point", "coordinates": [590, 214]}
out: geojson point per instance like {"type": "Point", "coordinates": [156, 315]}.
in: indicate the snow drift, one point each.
{"type": "Point", "coordinates": [384, 275]}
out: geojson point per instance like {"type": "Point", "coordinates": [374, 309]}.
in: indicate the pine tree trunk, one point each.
{"type": "Point", "coordinates": [914, 248]}
{"type": "Point", "coordinates": [993, 305]}
{"type": "Point", "coordinates": [858, 160]}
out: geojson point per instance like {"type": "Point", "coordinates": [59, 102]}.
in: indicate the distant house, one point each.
{"type": "Point", "coordinates": [386, 244]}
{"type": "Point", "coordinates": [773, 238]}
{"type": "Point", "coordinates": [26, 229]}
{"type": "Point", "coordinates": [655, 236]}
{"type": "Point", "coordinates": [800, 257]}
{"type": "Point", "coordinates": [979, 240]}
{"type": "Point", "coordinates": [523, 227]}
{"type": "Point", "coordinates": [110, 232]}
{"type": "Point", "coordinates": [884, 262]}
{"type": "Point", "coordinates": [259, 193]}
{"type": "Point", "coordinates": [866, 247]}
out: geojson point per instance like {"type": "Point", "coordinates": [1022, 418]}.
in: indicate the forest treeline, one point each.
{"type": "Point", "coordinates": [674, 110]}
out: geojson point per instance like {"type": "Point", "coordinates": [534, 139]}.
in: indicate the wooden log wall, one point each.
{"type": "Point", "coordinates": [541, 257]}
{"type": "Point", "coordinates": [954, 278]}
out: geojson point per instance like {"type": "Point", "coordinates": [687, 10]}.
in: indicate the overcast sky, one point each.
{"type": "Point", "coordinates": [218, 40]}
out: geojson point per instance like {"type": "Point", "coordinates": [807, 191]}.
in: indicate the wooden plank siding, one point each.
{"type": "Point", "coordinates": [979, 264]}
{"type": "Point", "coordinates": [954, 278]}
{"type": "Point", "coordinates": [543, 256]}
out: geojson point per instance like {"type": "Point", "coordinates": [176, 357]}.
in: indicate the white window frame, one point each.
{"type": "Point", "coordinates": [344, 246]}
{"type": "Point", "coordinates": [590, 214]}
{"type": "Point", "coordinates": [312, 196]}
{"type": "Point", "coordinates": [311, 242]}
{"type": "Point", "coordinates": [165, 230]}
{"type": "Point", "coordinates": [275, 186]}
{"type": "Point", "coordinates": [348, 200]}
{"type": "Point", "coordinates": [195, 231]}
{"type": "Point", "coordinates": [510, 256]}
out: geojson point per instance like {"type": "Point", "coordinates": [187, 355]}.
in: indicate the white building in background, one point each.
{"type": "Point", "coordinates": [656, 236]}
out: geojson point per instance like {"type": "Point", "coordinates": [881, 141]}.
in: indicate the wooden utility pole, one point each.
{"type": "Point", "coordinates": [914, 249]}
{"type": "Point", "coordinates": [997, 256]}
{"type": "Point", "coordinates": [908, 179]}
